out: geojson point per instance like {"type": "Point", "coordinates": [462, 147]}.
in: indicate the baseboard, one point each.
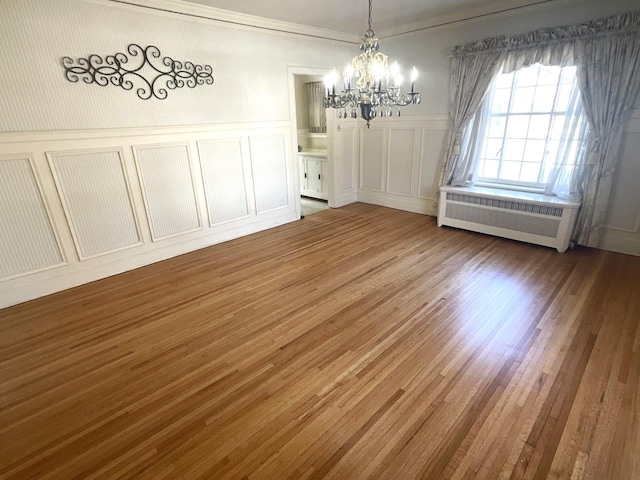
{"type": "Point", "coordinates": [425, 206]}
{"type": "Point", "coordinates": [344, 199]}
{"type": "Point", "coordinates": [36, 285]}
{"type": "Point", "coordinates": [621, 242]}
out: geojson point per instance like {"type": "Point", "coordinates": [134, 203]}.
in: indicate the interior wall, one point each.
{"type": "Point", "coordinates": [428, 50]}
{"type": "Point", "coordinates": [249, 66]}
{"type": "Point", "coordinates": [95, 181]}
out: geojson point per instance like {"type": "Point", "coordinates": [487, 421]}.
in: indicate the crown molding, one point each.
{"type": "Point", "coordinates": [496, 8]}
{"type": "Point", "coordinates": [178, 7]}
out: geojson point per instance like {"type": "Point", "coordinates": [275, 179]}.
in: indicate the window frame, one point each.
{"type": "Point", "coordinates": [520, 185]}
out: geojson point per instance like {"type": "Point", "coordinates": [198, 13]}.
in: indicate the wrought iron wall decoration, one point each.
{"type": "Point", "coordinates": [150, 75]}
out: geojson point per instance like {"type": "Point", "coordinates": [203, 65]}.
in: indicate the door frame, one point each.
{"type": "Point", "coordinates": [292, 71]}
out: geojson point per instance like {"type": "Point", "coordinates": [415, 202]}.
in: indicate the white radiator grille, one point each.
{"type": "Point", "coordinates": [506, 204]}
{"type": "Point", "coordinates": [527, 217]}
{"type": "Point", "coordinates": [546, 227]}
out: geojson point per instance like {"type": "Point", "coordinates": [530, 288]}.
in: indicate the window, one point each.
{"type": "Point", "coordinates": [531, 126]}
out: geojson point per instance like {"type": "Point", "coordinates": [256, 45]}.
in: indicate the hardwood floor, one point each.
{"type": "Point", "coordinates": [357, 343]}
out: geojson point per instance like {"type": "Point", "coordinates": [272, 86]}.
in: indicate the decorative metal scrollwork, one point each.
{"type": "Point", "coordinates": [150, 75]}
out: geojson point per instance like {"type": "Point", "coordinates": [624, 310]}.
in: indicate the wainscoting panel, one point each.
{"type": "Point", "coordinates": [434, 143]}
{"type": "Point", "coordinates": [27, 239]}
{"type": "Point", "coordinates": [223, 179]}
{"type": "Point", "coordinates": [372, 158]}
{"type": "Point", "coordinates": [93, 188]}
{"type": "Point", "coordinates": [269, 169]}
{"type": "Point", "coordinates": [168, 188]}
{"type": "Point", "coordinates": [625, 198]}
{"type": "Point", "coordinates": [400, 166]}
{"type": "Point", "coordinates": [125, 198]}
{"type": "Point", "coordinates": [622, 225]}
{"type": "Point", "coordinates": [348, 154]}
{"type": "Point", "coordinates": [400, 161]}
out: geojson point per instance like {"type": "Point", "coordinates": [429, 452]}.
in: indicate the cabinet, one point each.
{"type": "Point", "coordinates": [313, 176]}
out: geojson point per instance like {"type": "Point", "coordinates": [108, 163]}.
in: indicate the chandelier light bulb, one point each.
{"type": "Point", "coordinates": [348, 71]}
{"type": "Point", "coordinates": [327, 82]}
{"type": "Point", "coordinates": [398, 80]}
{"type": "Point", "coordinates": [414, 74]}
{"type": "Point", "coordinates": [378, 71]}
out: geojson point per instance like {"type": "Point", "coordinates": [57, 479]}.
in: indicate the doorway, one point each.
{"type": "Point", "coordinates": [311, 138]}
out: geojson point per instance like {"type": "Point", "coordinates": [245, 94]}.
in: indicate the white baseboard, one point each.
{"type": "Point", "coordinates": [621, 242]}
{"type": "Point", "coordinates": [425, 206]}
{"type": "Point", "coordinates": [36, 285]}
{"type": "Point", "coordinates": [344, 199]}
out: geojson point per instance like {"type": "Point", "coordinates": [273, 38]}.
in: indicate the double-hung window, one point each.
{"type": "Point", "coordinates": [531, 128]}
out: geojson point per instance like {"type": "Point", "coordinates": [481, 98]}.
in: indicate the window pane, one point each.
{"type": "Point", "coordinates": [529, 172]}
{"type": "Point", "coordinates": [493, 149]}
{"type": "Point", "coordinates": [543, 101]}
{"type": "Point", "coordinates": [489, 169]}
{"type": "Point", "coordinates": [557, 127]}
{"type": "Point", "coordinates": [552, 151]}
{"type": "Point", "coordinates": [539, 126]}
{"type": "Point", "coordinates": [504, 80]}
{"type": "Point", "coordinates": [564, 97]}
{"type": "Point", "coordinates": [523, 100]}
{"type": "Point", "coordinates": [513, 149]}
{"type": "Point", "coordinates": [500, 102]}
{"type": "Point", "coordinates": [534, 151]}
{"type": "Point", "coordinates": [526, 77]}
{"type": "Point", "coordinates": [548, 76]}
{"type": "Point", "coordinates": [496, 126]}
{"type": "Point", "coordinates": [518, 126]}
{"type": "Point", "coordinates": [510, 171]}
{"type": "Point", "coordinates": [524, 131]}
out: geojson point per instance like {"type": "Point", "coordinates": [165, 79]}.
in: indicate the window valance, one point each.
{"type": "Point", "coordinates": [561, 37]}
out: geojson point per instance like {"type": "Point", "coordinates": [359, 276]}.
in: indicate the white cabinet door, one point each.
{"type": "Point", "coordinates": [314, 175]}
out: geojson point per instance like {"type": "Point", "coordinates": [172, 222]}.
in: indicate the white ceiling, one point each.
{"type": "Point", "coordinates": [350, 16]}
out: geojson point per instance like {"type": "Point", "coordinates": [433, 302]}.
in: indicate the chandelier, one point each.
{"type": "Point", "coordinates": [377, 85]}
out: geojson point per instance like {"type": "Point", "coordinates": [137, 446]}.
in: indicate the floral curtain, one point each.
{"type": "Point", "coordinates": [607, 55]}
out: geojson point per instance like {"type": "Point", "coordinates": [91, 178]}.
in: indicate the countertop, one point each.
{"type": "Point", "coordinates": [313, 153]}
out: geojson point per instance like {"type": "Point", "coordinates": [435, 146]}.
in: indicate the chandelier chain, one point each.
{"type": "Point", "coordinates": [370, 9]}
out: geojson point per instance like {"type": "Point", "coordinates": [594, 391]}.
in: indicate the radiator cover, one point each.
{"type": "Point", "coordinates": [527, 217]}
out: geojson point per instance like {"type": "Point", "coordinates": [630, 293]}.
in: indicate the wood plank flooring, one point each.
{"type": "Point", "coordinates": [358, 343]}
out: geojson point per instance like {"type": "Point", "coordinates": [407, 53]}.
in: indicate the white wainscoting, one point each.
{"type": "Point", "coordinates": [223, 176]}
{"type": "Point", "coordinates": [270, 175]}
{"type": "Point", "coordinates": [96, 198]}
{"type": "Point", "coordinates": [83, 205]}
{"type": "Point", "coordinates": [398, 160]}
{"type": "Point", "coordinates": [28, 242]}
{"type": "Point", "coordinates": [622, 230]}
{"type": "Point", "coordinates": [343, 155]}
{"type": "Point", "coordinates": [168, 188]}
